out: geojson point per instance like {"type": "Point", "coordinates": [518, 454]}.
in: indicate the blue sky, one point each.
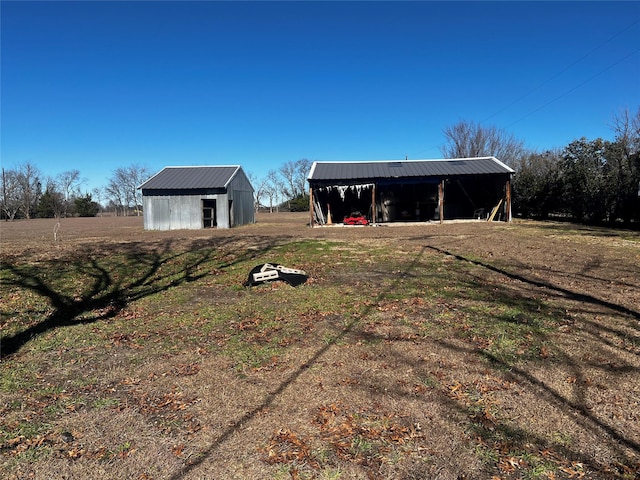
{"type": "Point", "coordinates": [94, 86]}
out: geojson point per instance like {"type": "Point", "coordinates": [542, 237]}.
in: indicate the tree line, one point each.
{"type": "Point", "coordinates": [588, 181]}
{"type": "Point", "coordinates": [284, 188]}
{"type": "Point", "coordinates": [26, 193]}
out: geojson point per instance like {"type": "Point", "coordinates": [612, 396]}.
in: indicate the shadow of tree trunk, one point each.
{"type": "Point", "coordinates": [113, 280]}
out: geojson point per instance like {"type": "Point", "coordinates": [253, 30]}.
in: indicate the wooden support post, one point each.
{"type": "Point", "coordinates": [508, 201]}
{"type": "Point", "coordinates": [441, 200]}
{"type": "Point", "coordinates": [374, 214]}
{"type": "Point", "coordinates": [311, 207]}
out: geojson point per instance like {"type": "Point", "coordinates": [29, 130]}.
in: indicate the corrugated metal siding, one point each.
{"type": "Point", "coordinates": [168, 204]}
{"type": "Point", "coordinates": [406, 169]}
{"type": "Point", "coordinates": [241, 193]}
{"type": "Point", "coordinates": [173, 212]}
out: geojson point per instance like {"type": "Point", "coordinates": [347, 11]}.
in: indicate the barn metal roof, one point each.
{"type": "Point", "coordinates": [370, 170]}
{"type": "Point", "coordinates": [189, 178]}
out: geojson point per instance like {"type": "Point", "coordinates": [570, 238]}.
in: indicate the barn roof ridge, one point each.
{"type": "Point", "coordinates": [185, 177]}
{"type": "Point", "coordinates": [409, 160]}
{"type": "Point", "coordinates": [371, 169]}
{"type": "Point", "coordinates": [201, 166]}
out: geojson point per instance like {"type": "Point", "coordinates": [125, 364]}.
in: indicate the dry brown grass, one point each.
{"type": "Point", "coordinates": [464, 350]}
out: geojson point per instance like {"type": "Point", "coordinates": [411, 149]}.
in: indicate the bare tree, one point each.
{"type": "Point", "coordinates": [271, 187]}
{"type": "Point", "coordinates": [294, 176]}
{"type": "Point", "coordinates": [287, 174]}
{"type": "Point", "coordinates": [116, 194]}
{"type": "Point", "coordinates": [137, 176]}
{"type": "Point", "coordinates": [626, 127]}
{"type": "Point", "coordinates": [68, 183]}
{"type": "Point", "coordinates": [469, 139]}
{"type": "Point", "coordinates": [29, 187]}
{"type": "Point", "coordinates": [10, 194]}
{"type": "Point", "coordinates": [258, 189]}
{"type": "Point", "coordinates": [99, 194]}
{"type": "Point", "coordinates": [623, 167]}
{"type": "Point", "coordinates": [303, 168]}
{"type": "Point", "coordinates": [122, 189]}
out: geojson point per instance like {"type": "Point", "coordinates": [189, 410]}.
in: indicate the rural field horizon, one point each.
{"type": "Point", "coordinates": [475, 350]}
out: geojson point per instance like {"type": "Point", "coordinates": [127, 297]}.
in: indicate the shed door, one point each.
{"type": "Point", "coordinates": [209, 213]}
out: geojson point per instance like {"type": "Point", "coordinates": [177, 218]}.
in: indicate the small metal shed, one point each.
{"type": "Point", "coordinates": [411, 190]}
{"type": "Point", "coordinates": [197, 197]}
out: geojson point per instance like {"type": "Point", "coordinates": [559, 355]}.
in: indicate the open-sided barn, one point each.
{"type": "Point", "coordinates": [410, 190]}
{"type": "Point", "coordinates": [197, 197]}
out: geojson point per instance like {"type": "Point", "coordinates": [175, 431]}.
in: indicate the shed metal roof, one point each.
{"type": "Point", "coordinates": [191, 178]}
{"type": "Point", "coordinates": [370, 170]}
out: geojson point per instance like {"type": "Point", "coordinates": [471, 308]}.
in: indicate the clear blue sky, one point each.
{"type": "Point", "coordinates": [95, 86]}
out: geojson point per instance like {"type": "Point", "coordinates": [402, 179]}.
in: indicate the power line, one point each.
{"type": "Point", "coordinates": [538, 87]}
{"type": "Point", "coordinates": [574, 88]}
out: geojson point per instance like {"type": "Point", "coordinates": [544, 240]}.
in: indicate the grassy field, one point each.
{"type": "Point", "coordinates": [458, 351]}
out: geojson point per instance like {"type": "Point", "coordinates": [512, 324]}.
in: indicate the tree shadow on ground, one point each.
{"type": "Point", "coordinates": [571, 228]}
{"type": "Point", "coordinates": [575, 404]}
{"type": "Point", "coordinates": [114, 278]}
{"type": "Point", "coordinates": [269, 400]}
{"type": "Point", "coordinates": [470, 409]}
{"type": "Point", "coordinates": [498, 433]}
{"type": "Point", "coordinates": [576, 296]}
{"type": "Point", "coordinates": [146, 271]}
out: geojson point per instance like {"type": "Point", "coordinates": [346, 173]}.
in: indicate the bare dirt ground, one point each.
{"type": "Point", "coordinates": [383, 398]}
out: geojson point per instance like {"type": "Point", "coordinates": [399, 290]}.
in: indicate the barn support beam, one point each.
{"type": "Point", "coordinates": [311, 207]}
{"type": "Point", "coordinates": [441, 200]}
{"type": "Point", "coordinates": [508, 201]}
{"type": "Point", "coordinates": [374, 214]}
